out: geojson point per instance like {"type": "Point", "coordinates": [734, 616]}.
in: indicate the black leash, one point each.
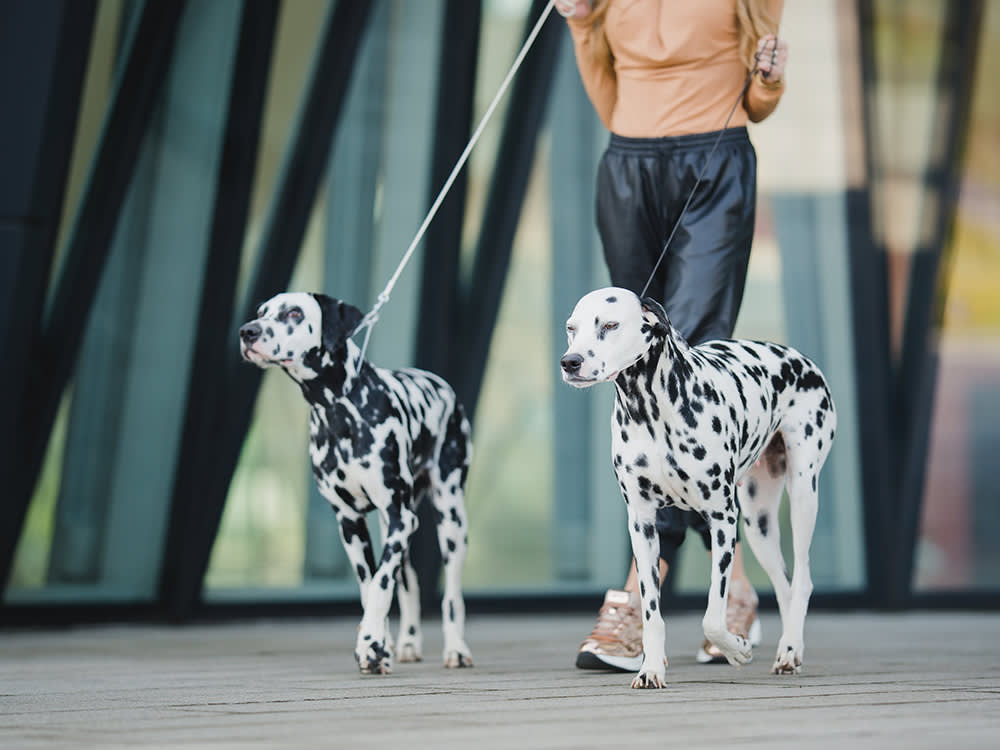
{"type": "Point", "coordinates": [743, 91]}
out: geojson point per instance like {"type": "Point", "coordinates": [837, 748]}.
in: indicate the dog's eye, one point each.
{"type": "Point", "coordinates": [608, 327]}
{"type": "Point", "coordinates": [294, 314]}
{"type": "Point", "coordinates": [570, 330]}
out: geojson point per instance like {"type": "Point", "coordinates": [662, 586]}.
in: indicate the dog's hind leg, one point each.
{"type": "Point", "coordinates": [448, 497]}
{"type": "Point", "coordinates": [453, 541]}
{"type": "Point", "coordinates": [760, 499]}
{"type": "Point", "coordinates": [804, 504]}
{"type": "Point", "coordinates": [410, 642]}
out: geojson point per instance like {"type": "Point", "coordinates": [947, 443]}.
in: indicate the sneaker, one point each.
{"type": "Point", "coordinates": [741, 619]}
{"type": "Point", "coordinates": [616, 640]}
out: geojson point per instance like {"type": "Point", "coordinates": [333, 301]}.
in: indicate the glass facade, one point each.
{"type": "Point", "coordinates": [798, 283]}
{"type": "Point", "coordinates": [546, 517]}
{"type": "Point", "coordinates": [960, 520]}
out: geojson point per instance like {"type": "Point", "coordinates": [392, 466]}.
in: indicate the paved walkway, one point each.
{"type": "Point", "coordinates": [870, 681]}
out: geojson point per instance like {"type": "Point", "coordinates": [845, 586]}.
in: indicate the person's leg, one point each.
{"type": "Point", "coordinates": [702, 278]}
{"type": "Point", "coordinates": [629, 223]}
{"type": "Point", "coordinates": [633, 228]}
{"type": "Point", "coordinates": [632, 231]}
{"type": "Point", "coordinates": [703, 274]}
{"type": "Point", "coordinates": [632, 582]}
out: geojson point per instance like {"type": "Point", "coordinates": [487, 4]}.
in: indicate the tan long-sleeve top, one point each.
{"type": "Point", "coordinates": [677, 68]}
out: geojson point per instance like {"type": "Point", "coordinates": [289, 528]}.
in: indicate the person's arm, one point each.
{"type": "Point", "coordinates": [598, 81]}
{"type": "Point", "coordinates": [768, 83]}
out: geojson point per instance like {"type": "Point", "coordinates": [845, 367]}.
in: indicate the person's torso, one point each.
{"type": "Point", "coordinates": [677, 65]}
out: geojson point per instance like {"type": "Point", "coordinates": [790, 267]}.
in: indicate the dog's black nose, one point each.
{"type": "Point", "coordinates": [571, 363]}
{"type": "Point", "coordinates": [250, 332]}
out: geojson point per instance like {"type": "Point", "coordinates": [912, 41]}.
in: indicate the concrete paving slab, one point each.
{"type": "Point", "coordinates": [870, 680]}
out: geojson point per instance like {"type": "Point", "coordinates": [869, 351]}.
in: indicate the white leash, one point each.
{"type": "Point", "coordinates": [368, 322]}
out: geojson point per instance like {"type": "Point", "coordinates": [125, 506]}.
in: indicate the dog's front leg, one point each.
{"type": "Point", "coordinates": [646, 549]}
{"type": "Point", "coordinates": [735, 648]}
{"type": "Point", "coordinates": [358, 545]}
{"type": "Point", "coordinates": [373, 648]}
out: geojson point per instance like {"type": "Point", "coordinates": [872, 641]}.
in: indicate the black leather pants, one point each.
{"type": "Point", "coordinates": [642, 185]}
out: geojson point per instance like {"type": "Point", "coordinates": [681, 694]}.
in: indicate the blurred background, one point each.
{"type": "Point", "coordinates": [166, 166]}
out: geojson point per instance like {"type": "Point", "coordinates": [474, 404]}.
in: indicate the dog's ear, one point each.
{"type": "Point", "coordinates": [653, 312]}
{"type": "Point", "coordinates": [340, 320]}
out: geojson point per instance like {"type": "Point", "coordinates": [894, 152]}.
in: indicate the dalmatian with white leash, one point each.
{"type": "Point", "coordinates": [720, 429]}
{"type": "Point", "coordinates": [379, 440]}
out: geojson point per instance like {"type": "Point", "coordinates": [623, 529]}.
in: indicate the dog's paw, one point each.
{"type": "Point", "coordinates": [645, 680]}
{"type": "Point", "coordinates": [411, 644]}
{"type": "Point", "coordinates": [735, 648]}
{"type": "Point", "coordinates": [650, 678]}
{"type": "Point", "coordinates": [409, 651]}
{"type": "Point", "coordinates": [374, 659]}
{"type": "Point", "coordinates": [742, 653]}
{"type": "Point", "coordinates": [788, 660]}
{"type": "Point", "coordinates": [456, 658]}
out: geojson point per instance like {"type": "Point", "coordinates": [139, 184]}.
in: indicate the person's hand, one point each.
{"type": "Point", "coordinates": [573, 8]}
{"type": "Point", "coordinates": [772, 56]}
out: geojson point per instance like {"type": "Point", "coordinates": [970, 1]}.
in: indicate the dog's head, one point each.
{"type": "Point", "coordinates": [609, 331]}
{"type": "Point", "coordinates": [294, 329]}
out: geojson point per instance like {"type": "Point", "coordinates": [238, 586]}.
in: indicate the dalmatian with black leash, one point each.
{"type": "Point", "coordinates": [379, 439]}
{"type": "Point", "coordinates": [719, 428]}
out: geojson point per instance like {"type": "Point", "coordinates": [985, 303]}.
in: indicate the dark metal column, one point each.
{"type": "Point", "coordinates": [917, 373]}
{"type": "Point", "coordinates": [212, 350]}
{"type": "Point", "coordinates": [47, 366]}
{"type": "Point", "coordinates": [896, 398]}
{"type": "Point", "coordinates": [870, 312]}
{"type": "Point", "coordinates": [349, 249]}
{"type": "Point", "coordinates": [575, 244]}
{"type": "Point", "coordinates": [515, 158]}
{"type": "Point", "coordinates": [470, 324]}
{"type": "Point", "coordinates": [196, 513]}
{"type": "Point", "coordinates": [442, 244]}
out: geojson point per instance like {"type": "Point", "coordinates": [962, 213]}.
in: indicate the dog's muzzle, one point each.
{"type": "Point", "coordinates": [249, 334]}
{"type": "Point", "coordinates": [571, 364]}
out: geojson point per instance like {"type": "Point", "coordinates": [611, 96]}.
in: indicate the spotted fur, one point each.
{"type": "Point", "coordinates": [379, 440]}
{"type": "Point", "coordinates": [720, 428]}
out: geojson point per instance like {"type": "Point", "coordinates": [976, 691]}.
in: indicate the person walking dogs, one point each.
{"type": "Point", "coordinates": [663, 76]}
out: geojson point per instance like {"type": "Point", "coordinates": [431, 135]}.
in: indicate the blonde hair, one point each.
{"type": "Point", "coordinates": [752, 17]}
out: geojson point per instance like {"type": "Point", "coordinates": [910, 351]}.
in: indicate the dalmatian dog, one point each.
{"type": "Point", "coordinates": [379, 440]}
{"type": "Point", "coordinates": [720, 429]}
